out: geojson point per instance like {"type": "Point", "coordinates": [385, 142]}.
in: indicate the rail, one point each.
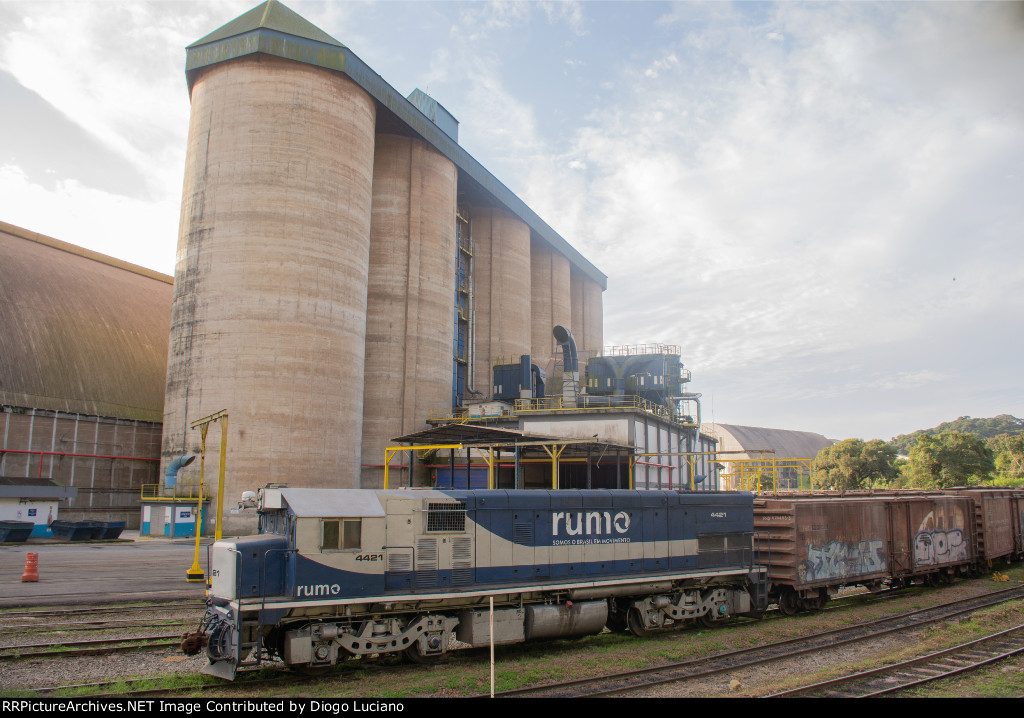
{"type": "Point", "coordinates": [178, 492]}
{"type": "Point", "coordinates": [589, 402]}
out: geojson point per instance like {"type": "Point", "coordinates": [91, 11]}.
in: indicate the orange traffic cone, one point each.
{"type": "Point", "coordinates": [31, 568]}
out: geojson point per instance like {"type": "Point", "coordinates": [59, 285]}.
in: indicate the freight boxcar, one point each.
{"type": "Point", "coordinates": [815, 545]}
{"type": "Point", "coordinates": [999, 521]}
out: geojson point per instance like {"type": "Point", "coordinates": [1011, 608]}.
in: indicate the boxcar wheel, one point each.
{"type": "Point", "coordinates": [789, 603]}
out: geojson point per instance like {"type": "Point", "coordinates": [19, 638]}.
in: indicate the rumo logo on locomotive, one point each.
{"type": "Point", "coordinates": [590, 524]}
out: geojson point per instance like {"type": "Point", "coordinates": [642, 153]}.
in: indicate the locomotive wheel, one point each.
{"type": "Point", "coordinates": [789, 603]}
{"type": "Point", "coordinates": [635, 623]}
{"type": "Point", "coordinates": [707, 620]}
{"type": "Point", "coordinates": [414, 654]}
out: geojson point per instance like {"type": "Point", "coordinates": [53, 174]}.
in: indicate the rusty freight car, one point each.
{"type": "Point", "coordinates": [814, 545]}
{"type": "Point", "coordinates": [999, 521]}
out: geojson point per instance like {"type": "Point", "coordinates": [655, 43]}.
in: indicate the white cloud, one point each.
{"type": "Point", "coordinates": [134, 230]}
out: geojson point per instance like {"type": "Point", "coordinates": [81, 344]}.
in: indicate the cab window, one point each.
{"type": "Point", "coordinates": [340, 534]}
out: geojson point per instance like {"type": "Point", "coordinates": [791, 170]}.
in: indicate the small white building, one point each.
{"type": "Point", "coordinates": [36, 500]}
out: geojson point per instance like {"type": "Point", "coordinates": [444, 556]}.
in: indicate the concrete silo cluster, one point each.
{"type": "Point", "coordinates": [344, 267]}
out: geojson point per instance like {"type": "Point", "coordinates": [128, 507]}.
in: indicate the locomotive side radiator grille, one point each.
{"type": "Point", "coordinates": [724, 550]}
{"type": "Point", "coordinates": [426, 562]}
{"type": "Point", "coordinates": [522, 534]}
{"type": "Point", "coordinates": [462, 561]}
{"type": "Point", "coordinates": [399, 562]}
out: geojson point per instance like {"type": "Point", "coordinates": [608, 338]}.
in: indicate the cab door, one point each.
{"type": "Point", "coordinates": [399, 552]}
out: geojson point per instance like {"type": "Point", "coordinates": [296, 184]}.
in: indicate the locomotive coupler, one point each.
{"type": "Point", "coordinates": [192, 643]}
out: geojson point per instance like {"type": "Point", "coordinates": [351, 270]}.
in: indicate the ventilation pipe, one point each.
{"type": "Point", "coordinates": [570, 365]}
{"type": "Point", "coordinates": [171, 477]}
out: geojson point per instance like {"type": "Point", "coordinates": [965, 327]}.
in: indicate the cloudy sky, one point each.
{"type": "Point", "coordinates": [821, 203]}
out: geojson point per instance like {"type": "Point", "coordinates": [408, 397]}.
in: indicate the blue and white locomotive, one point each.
{"type": "Point", "coordinates": [339, 573]}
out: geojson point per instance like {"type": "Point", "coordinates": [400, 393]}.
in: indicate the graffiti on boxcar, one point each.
{"type": "Point", "coordinates": [932, 548]}
{"type": "Point", "coordinates": [837, 559]}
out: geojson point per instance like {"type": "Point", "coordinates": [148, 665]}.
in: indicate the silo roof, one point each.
{"type": "Point", "coordinates": [272, 29]}
{"type": "Point", "coordinates": [270, 15]}
{"type": "Point", "coordinates": [83, 332]}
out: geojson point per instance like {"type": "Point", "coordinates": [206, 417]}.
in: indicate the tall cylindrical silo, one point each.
{"type": "Point", "coordinates": [587, 315]}
{"type": "Point", "coordinates": [269, 312]}
{"type": "Point", "coordinates": [551, 305]}
{"type": "Point", "coordinates": [593, 316]}
{"type": "Point", "coordinates": [411, 294]}
{"type": "Point", "coordinates": [501, 292]}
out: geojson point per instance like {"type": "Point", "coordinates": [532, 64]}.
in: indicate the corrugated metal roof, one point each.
{"type": "Point", "coordinates": [787, 444]}
{"type": "Point", "coordinates": [82, 332]}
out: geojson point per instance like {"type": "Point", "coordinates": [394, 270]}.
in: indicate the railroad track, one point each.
{"type": "Point", "coordinates": [92, 610]}
{"type": "Point", "coordinates": [635, 680]}
{"type": "Point", "coordinates": [87, 648]}
{"type": "Point", "coordinates": [917, 671]}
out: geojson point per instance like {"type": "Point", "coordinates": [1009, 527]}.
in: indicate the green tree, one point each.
{"type": "Point", "coordinates": [854, 464]}
{"type": "Point", "coordinates": [950, 459]}
{"type": "Point", "coordinates": [1009, 455]}
{"type": "Point", "coordinates": [983, 428]}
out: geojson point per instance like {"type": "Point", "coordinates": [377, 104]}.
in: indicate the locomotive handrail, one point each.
{"type": "Point", "coordinates": [263, 597]}
{"type": "Point", "coordinates": [412, 549]}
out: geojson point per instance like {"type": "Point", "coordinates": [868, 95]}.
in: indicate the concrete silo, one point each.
{"type": "Point", "coordinates": [410, 295]}
{"type": "Point", "coordinates": [501, 292]}
{"type": "Point", "coordinates": [269, 310]}
{"type": "Point", "coordinates": [587, 314]}
{"type": "Point", "coordinates": [320, 244]}
{"type": "Point", "coordinates": [550, 304]}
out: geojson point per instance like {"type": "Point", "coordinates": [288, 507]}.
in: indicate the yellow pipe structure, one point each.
{"type": "Point", "coordinates": [390, 451]}
{"type": "Point", "coordinates": [489, 460]}
{"type": "Point", "coordinates": [203, 424]}
{"type": "Point", "coordinates": [691, 459]}
{"type": "Point", "coordinates": [554, 452]}
{"type": "Point", "coordinates": [195, 572]}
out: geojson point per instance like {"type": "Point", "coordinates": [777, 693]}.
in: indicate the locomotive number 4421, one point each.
{"type": "Point", "coordinates": [370, 557]}
{"type": "Point", "coordinates": [718, 514]}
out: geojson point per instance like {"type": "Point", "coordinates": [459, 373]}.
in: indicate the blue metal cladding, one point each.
{"type": "Point", "coordinates": [446, 480]}
{"type": "Point", "coordinates": [262, 567]}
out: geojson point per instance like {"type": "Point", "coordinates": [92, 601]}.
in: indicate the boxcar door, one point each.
{"type": "Point", "coordinates": [900, 539]}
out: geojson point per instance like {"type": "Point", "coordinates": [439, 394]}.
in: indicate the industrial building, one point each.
{"type": "Point", "coordinates": [344, 267]}
{"type": "Point", "coordinates": [757, 458]}
{"type": "Point", "coordinates": [82, 373]}
{"type": "Point", "coordinates": [348, 279]}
